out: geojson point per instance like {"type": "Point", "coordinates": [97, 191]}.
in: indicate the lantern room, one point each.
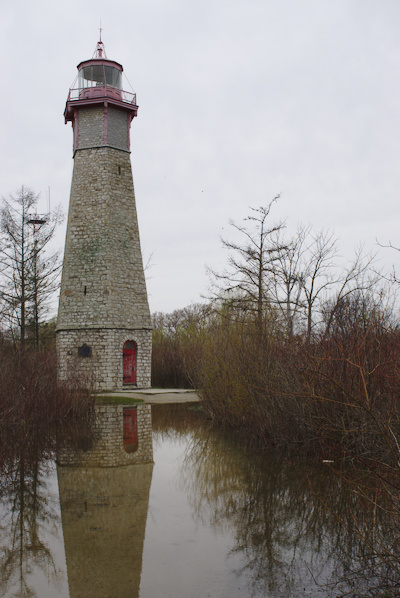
{"type": "Point", "coordinates": [95, 73]}
{"type": "Point", "coordinates": [99, 80]}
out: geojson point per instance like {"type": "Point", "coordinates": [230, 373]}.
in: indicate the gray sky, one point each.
{"type": "Point", "coordinates": [238, 100]}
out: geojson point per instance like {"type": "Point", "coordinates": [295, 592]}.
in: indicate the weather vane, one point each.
{"type": "Point", "coordinates": [100, 50]}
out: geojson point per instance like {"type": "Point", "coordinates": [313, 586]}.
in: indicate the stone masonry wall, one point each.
{"type": "Point", "coordinates": [90, 127]}
{"type": "Point", "coordinates": [93, 122]}
{"type": "Point", "coordinates": [118, 128]}
{"type": "Point", "coordinates": [104, 367]}
{"type": "Point", "coordinates": [103, 297]}
{"type": "Point", "coordinates": [103, 282]}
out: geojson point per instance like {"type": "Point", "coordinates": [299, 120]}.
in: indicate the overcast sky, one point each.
{"type": "Point", "coordinates": [238, 100]}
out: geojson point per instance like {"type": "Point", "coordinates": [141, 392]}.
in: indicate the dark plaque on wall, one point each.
{"type": "Point", "coordinates": [85, 351]}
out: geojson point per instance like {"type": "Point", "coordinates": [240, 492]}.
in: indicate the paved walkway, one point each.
{"type": "Point", "coordinates": [158, 395]}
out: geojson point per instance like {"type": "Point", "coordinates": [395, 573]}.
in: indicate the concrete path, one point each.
{"type": "Point", "coordinates": [158, 395]}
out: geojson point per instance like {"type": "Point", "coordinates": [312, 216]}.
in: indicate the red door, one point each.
{"type": "Point", "coordinates": [130, 430]}
{"type": "Point", "coordinates": [129, 361]}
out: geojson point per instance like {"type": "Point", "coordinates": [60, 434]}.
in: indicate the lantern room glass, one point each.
{"type": "Point", "coordinates": [99, 74]}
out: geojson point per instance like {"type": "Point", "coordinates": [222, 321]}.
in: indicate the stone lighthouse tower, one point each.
{"type": "Point", "coordinates": [103, 326]}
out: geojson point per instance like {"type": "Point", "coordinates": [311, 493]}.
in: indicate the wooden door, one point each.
{"type": "Point", "coordinates": [129, 362]}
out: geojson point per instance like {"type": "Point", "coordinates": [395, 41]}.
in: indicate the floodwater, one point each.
{"type": "Point", "coordinates": [163, 504]}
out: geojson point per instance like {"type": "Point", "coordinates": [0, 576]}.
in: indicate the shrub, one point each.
{"type": "Point", "coordinates": [30, 394]}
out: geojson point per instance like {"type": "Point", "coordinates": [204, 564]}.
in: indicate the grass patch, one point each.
{"type": "Point", "coordinates": [116, 400]}
{"type": "Point", "coordinates": [195, 407]}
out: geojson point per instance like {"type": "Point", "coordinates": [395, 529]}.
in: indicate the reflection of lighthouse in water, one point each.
{"type": "Point", "coordinates": [104, 496]}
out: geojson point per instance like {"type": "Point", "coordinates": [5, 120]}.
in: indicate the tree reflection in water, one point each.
{"type": "Point", "coordinates": [29, 513]}
{"type": "Point", "coordinates": [295, 524]}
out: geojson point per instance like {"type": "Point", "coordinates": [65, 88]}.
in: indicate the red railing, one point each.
{"type": "Point", "coordinates": [102, 91]}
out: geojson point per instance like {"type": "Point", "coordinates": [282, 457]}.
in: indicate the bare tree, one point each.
{"type": "Point", "coordinates": [357, 278]}
{"type": "Point", "coordinates": [319, 273]}
{"type": "Point", "coordinates": [29, 276]}
{"type": "Point", "coordinates": [393, 277]}
{"type": "Point", "coordinates": [302, 274]}
{"type": "Point", "coordinates": [309, 279]}
{"type": "Point", "coordinates": [16, 256]}
{"type": "Point", "coordinates": [251, 262]}
{"type": "Point", "coordinates": [288, 277]}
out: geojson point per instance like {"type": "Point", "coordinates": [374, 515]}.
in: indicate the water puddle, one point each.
{"type": "Point", "coordinates": [158, 504]}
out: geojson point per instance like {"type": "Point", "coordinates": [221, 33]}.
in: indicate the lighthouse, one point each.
{"type": "Point", "coordinates": [103, 325]}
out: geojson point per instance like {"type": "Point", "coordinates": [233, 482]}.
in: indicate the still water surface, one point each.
{"type": "Point", "coordinates": [210, 517]}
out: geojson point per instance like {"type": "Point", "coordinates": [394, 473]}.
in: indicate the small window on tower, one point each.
{"type": "Point", "coordinates": [119, 169]}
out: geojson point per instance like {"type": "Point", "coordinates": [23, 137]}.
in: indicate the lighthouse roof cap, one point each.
{"type": "Point", "coordinates": [95, 61]}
